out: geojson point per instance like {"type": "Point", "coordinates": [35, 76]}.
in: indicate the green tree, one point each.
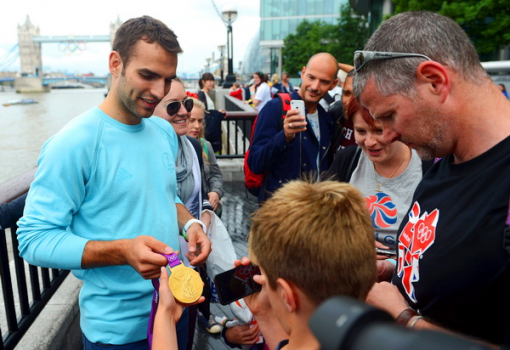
{"type": "Point", "coordinates": [341, 40]}
{"type": "Point", "coordinates": [486, 22]}
{"type": "Point", "coordinates": [310, 38]}
{"type": "Point", "coordinates": [352, 33]}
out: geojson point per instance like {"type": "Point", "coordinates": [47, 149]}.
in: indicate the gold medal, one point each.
{"type": "Point", "coordinates": [185, 283]}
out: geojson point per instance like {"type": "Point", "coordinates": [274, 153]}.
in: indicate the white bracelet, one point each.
{"type": "Point", "coordinates": [188, 224]}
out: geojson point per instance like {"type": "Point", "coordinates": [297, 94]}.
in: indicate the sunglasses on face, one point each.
{"type": "Point", "coordinates": [173, 107]}
{"type": "Point", "coordinates": [363, 57]}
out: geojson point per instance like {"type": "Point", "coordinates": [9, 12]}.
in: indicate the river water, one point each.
{"type": "Point", "coordinates": [25, 128]}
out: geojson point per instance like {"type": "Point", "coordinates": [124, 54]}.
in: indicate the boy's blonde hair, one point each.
{"type": "Point", "coordinates": [318, 237]}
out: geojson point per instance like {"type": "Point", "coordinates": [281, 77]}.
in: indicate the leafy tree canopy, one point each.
{"type": "Point", "coordinates": [341, 40]}
{"type": "Point", "coordinates": [485, 21]}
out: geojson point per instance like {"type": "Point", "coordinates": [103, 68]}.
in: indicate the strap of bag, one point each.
{"type": "Point", "coordinates": [506, 234]}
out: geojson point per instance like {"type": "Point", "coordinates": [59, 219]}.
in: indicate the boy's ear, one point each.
{"type": "Point", "coordinates": [289, 295]}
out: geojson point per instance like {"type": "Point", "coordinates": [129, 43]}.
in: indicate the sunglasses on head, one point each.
{"type": "Point", "coordinates": [363, 57]}
{"type": "Point", "coordinates": [173, 107]}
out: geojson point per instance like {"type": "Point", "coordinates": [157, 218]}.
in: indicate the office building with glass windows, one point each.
{"type": "Point", "coordinates": [279, 18]}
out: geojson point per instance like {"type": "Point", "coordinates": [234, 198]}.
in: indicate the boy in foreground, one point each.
{"type": "Point", "coordinates": [311, 242]}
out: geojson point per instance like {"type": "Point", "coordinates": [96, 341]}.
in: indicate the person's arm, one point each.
{"type": "Point", "coordinates": [345, 67]}
{"type": "Point", "coordinates": [215, 176]}
{"type": "Point", "coordinates": [241, 335]}
{"type": "Point", "coordinates": [206, 218]}
{"type": "Point", "coordinates": [387, 297]}
{"type": "Point", "coordinates": [269, 145]}
{"type": "Point", "coordinates": [199, 246]}
{"type": "Point", "coordinates": [12, 211]}
{"type": "Point", "coordinates": [168, 314]}
{"type": "Point", "coordinates": [142, 253]}
{"type": "Point", "coordinates": [259, 305]}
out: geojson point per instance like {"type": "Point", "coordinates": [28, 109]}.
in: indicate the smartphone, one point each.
{"type": "Point", "coordinates": [237, 283]}
{"type": "Point", "coordinates": [391, 253]}
{"type": "Point", "coordinates": [298, 104]}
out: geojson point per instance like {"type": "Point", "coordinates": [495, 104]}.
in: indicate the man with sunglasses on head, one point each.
{"type": "Point", "coordinates": [298, 146]}
{"type": "Point", "coordinates": [104, 201]}
{"type": "Point", "coordinates": [420, 75]}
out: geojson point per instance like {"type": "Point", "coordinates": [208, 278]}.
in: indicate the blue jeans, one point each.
{"type": "Point", "coordinates": [182, 339]}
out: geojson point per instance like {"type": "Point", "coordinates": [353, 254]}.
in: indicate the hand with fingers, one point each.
{"type": "Point", "coordinates": [293, 124]}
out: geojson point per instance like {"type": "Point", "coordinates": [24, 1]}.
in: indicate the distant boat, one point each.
{"type": "Point", "coordinates": [25, 101]}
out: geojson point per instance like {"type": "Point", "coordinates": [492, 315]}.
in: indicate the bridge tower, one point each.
{"type": "Point", "coordinates": [113, 29]}
{"type": "Point", "coordinates": [29, 50]}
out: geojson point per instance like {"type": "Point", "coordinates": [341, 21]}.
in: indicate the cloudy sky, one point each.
{"type": "Point", "coordinates": [196, 23]}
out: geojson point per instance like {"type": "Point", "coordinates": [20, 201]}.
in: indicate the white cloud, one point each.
{"type": "Point", "coordinates": [196, 23]}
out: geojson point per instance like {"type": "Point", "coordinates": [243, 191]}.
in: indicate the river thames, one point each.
{"type": "Point", "coordinates": [25, 128]}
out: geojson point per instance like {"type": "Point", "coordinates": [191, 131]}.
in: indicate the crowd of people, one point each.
{"type": "Point", "coordinates": [407, 150]}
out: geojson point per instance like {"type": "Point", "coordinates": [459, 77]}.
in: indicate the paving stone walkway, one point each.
{"type": "Point", "coordinates": [238, 205]}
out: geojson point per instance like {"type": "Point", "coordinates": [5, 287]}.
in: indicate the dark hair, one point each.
{"type": "Point", "coordinates": [147, 29]}
{"type": "Point", "coordinates": [262, 76]}
{"type": "Point", "coordinates": [205, 77]}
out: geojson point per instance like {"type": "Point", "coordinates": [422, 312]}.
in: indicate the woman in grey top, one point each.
{"type": "Point", "coordinates": [213, 184]}
{"type": "Point", "coordinates": [386, 173]}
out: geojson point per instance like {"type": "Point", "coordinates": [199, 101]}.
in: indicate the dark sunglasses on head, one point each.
{"type": "Point", "coordinates": [363, 57]}
{"type": "Point", "coordinates": [173, 107]}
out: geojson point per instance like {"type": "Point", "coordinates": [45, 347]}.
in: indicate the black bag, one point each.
{"type": "Point", "coordinates": [212, 131]}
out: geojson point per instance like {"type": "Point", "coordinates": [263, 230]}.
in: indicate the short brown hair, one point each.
{"type": "Point", "coordinates": [317, 236]}
{"type": "Point", "coordinates": [147, 29]}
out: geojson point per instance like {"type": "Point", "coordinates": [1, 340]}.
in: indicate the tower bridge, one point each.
{"type": "Point", "coordinates": [30, 41]}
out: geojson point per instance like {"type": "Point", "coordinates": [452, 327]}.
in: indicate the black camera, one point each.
{"type": "Point", "coordinates": [344, 323]}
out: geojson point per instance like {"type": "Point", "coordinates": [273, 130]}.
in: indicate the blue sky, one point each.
{"type": "Point", "coordinates": [196, 23]}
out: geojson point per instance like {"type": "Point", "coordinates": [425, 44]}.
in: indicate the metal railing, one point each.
{"type": "Point", "coordinates": [23, 297]}
{"type": "Point", "coordinates": [236, 130]}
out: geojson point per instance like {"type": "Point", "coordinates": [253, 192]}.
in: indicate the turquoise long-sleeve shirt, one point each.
{"type": "Point", "coordinates": [99, 179]}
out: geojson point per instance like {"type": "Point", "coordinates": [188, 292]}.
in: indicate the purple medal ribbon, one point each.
{"type": "Point", "coordinates": [173, 261]}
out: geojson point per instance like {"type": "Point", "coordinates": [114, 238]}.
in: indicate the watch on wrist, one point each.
{"type": "Point", "coordinates": [184, 232]}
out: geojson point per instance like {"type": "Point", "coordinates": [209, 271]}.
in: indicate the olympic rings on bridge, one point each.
{"type": "Point", "coordinates": [72, 47]}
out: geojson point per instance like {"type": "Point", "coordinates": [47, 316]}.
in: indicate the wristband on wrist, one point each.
{"type": "Point", "coordinates": [405, 316]}
{"type": "Point", "coordinates": [415, 320]}
{"type": "Point", "coordinates": [188, 224]}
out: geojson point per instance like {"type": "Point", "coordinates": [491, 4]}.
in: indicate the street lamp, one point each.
{"type": "Point", "coordinates": [229, 15]}
{"type": "Point", "coordinates": [222, 59]}
{"type": "Point", "coordinates": [208, 60]}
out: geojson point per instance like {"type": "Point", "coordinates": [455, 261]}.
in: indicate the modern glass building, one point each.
{"type": "Point", "coordinates": [279, 18]}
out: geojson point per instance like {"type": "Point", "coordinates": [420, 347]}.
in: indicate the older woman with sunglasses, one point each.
{"type": "Point", "coordinates": [176, 108]}
{"type": "Point", "coordinates": [386, 173]}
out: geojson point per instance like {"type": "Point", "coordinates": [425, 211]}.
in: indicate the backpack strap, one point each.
{"type": "Point", "coordinates": [201, 97]}
{"type": "Point", "coordinates": [285, 100]}
{"type": "Point", "coordinates": [506, 234]}
{"type": "Point", "coordinates": [328, 98]}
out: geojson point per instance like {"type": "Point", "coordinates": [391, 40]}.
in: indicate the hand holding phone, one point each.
{"type": "Point", "coordinates": [237, 283]}
{"type": "Point", "coordinates": [295, 122]}
{"type": "Point", "coordinates": [390, 253]}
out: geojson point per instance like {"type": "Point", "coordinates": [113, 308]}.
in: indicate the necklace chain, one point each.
{"type": "Point", "coordinates": [379, 185]}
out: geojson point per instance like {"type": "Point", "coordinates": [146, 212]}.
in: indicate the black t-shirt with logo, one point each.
{"type": "Point", "coordinates": [452, 266]}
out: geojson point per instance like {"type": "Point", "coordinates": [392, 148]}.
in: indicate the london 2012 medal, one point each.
{"type": "Point", "coordinates": [184, 282]}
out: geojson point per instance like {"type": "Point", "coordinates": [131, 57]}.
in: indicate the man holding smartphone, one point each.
{"type": "Point", "coordinates": [297, 147]}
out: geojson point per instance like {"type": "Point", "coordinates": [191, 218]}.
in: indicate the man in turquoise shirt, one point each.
{"type": "Point", "coordinates": [104, 201]}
